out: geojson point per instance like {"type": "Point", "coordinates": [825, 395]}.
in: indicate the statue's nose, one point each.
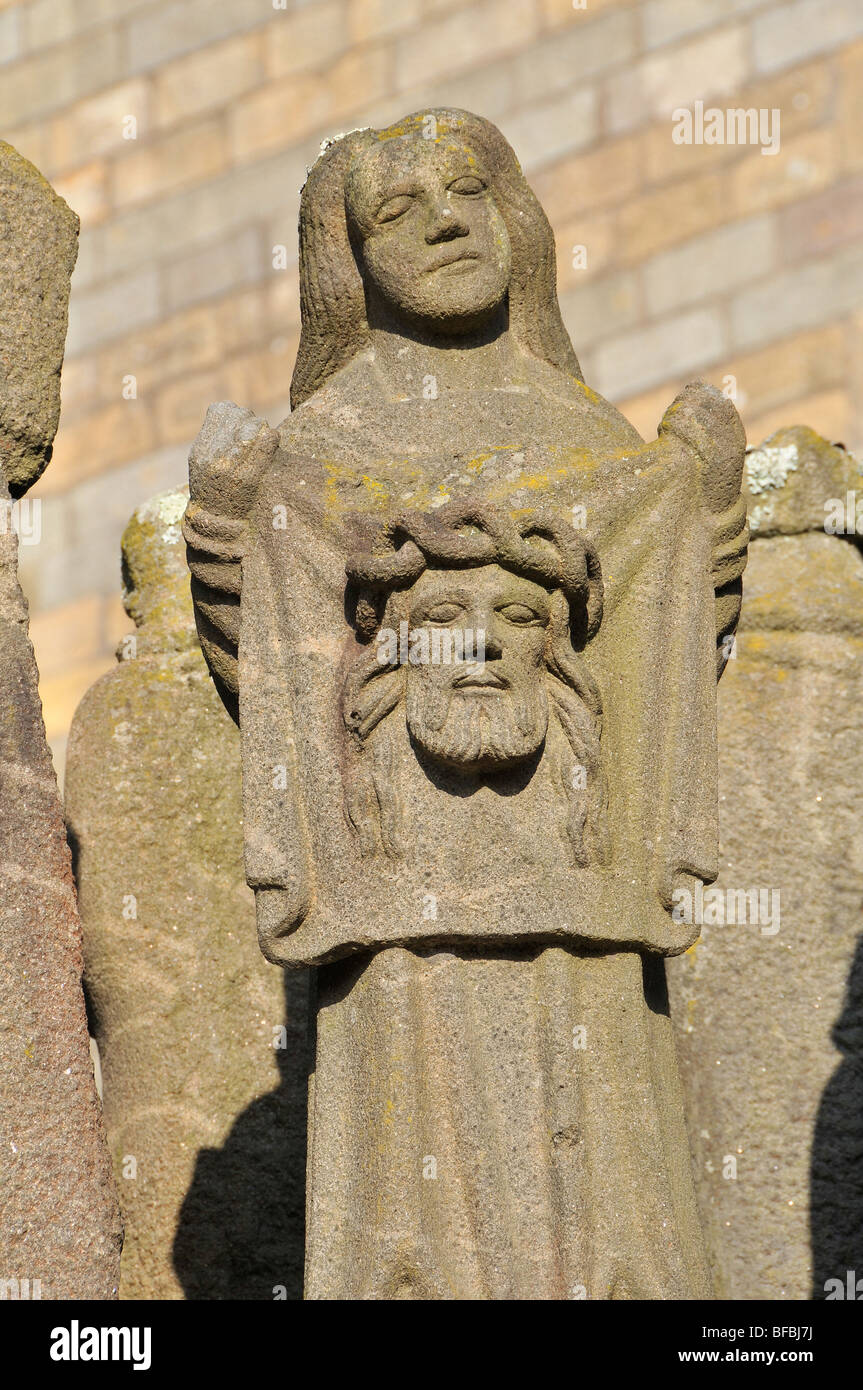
{"type": "Point", "coordinates": [444, 224]}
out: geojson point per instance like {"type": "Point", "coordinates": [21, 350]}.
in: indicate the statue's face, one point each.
{"type": "Point", "coordinates": [435, 248]}
{"type": "Point", "coordinates": [489, 716]}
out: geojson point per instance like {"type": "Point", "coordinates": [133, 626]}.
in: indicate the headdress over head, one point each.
{"type": "Point", "coordinates": [465, 534]}
{"type": "Point", "coordinates": [332, 297]}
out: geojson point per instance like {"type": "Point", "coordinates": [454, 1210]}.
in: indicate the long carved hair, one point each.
{"type": "Point", "coordinates": [332, 298]}
{"type": "Point", "coordinates": [464, 535]}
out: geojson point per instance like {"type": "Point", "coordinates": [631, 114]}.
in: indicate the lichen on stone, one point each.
{"type": "Point", "coordinates": [166, 509]}
{"type": "Point", "coordinates": [768, 467]}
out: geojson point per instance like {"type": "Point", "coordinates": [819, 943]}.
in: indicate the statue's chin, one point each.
{"type": "Point", "coordinates": [487, 763]}
{"type": "Point", "coordinates": [456, 322]}
{"type": "Point", "coordinates": [446, 314]}
{"type": "Point", "coordinates": [479, 737]}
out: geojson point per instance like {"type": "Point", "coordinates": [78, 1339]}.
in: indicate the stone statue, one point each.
{"type": "Point", "coordinates": [59, 1221]}
{"type": "Point", "coordinates": [193, 1026]}
{"type": "Point", "coordinates": [767, 1006]}
{"type": "Point", "coordinates": [479, 853]}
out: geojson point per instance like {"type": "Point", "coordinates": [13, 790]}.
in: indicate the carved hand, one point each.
{"type": "Point", "coordinates": [229, 458]}
{"type": "Point", "coordinates": [708, 422]}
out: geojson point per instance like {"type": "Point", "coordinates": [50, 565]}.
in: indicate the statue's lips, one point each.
{"type": "Point", "coordinates": [460, 259]}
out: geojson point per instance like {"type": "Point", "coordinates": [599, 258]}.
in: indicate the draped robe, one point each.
{"type": "Point", "coordinates": [495, 1111]}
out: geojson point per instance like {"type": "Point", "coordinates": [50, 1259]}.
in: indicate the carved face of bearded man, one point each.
{"type": "Point", "coordinates": [478, 716]}
{"type": "Point", "coordinates": [533, 588]}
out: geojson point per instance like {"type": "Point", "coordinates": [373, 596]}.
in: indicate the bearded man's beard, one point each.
{"type": "Point", "coordinates": [483, 730]}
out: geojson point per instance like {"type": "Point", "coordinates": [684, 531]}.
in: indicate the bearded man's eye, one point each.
{"type": "Point", "coordinates": [443, 613]}
{"type": "Point", "coordinates": [518, 613]}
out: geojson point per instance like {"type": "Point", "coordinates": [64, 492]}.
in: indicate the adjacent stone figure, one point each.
{"type": "Point", "coordinates": [767, 1006]}
{"type": "Point", "coordinates": [481, 857]}
{"type": "Point", "coordinates": [202, 1045]}
{"type": "Point", "coordinates": [59, 1223]}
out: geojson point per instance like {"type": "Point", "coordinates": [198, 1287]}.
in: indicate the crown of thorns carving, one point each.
{"type": "Point", "coordinates": [466, 534]}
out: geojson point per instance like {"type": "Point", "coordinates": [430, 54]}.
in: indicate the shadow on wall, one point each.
{"type": "Point", "coordinates": [241, 1231]}
{"type": "Point", "coordinates": [836, 1196]}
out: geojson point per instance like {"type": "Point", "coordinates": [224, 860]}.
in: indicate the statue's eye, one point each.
{"type": "Point", "coordinates": [519, 613]}
{"type": "Point", "coordinates": [393, 208]}
{"type": "Point", "coordinates": [468, 186]}
{"type": "Point", "coordinates": [444, 613]}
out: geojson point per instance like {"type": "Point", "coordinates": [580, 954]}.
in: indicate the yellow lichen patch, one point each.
{"type": "Point", "coordinates": [582, 459]}
{"type": "Point", "coordinates": [589, 392]}
{"type": "Point", "coordinates": [478, 462]}
{"type": "Point", "coordinates": [377, 488]}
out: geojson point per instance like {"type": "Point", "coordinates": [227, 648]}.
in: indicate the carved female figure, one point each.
{"type": "Point", "coordinates": [482, 864]}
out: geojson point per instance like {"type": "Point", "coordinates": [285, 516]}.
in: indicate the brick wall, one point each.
{"type": "Point", "coordinates": [180, 130]}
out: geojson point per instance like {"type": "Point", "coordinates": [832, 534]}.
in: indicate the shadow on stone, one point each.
{"type": "Point", "coordinates": [837, 1150]}
{"type": "Point", "coordinates": [242, 1223]}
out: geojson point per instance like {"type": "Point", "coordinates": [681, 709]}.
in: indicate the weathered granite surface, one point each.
{"type": "Point", "coordinates": [38, 249]}
{"type": "Point", "coordinates": [768, 1013]}
{"type": "Point", "coordinates": [482, 862]}
{"type": "Point", "coordinates": [203, 1047]}
{"type": "Point", "coordinates": [59, 1222]}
